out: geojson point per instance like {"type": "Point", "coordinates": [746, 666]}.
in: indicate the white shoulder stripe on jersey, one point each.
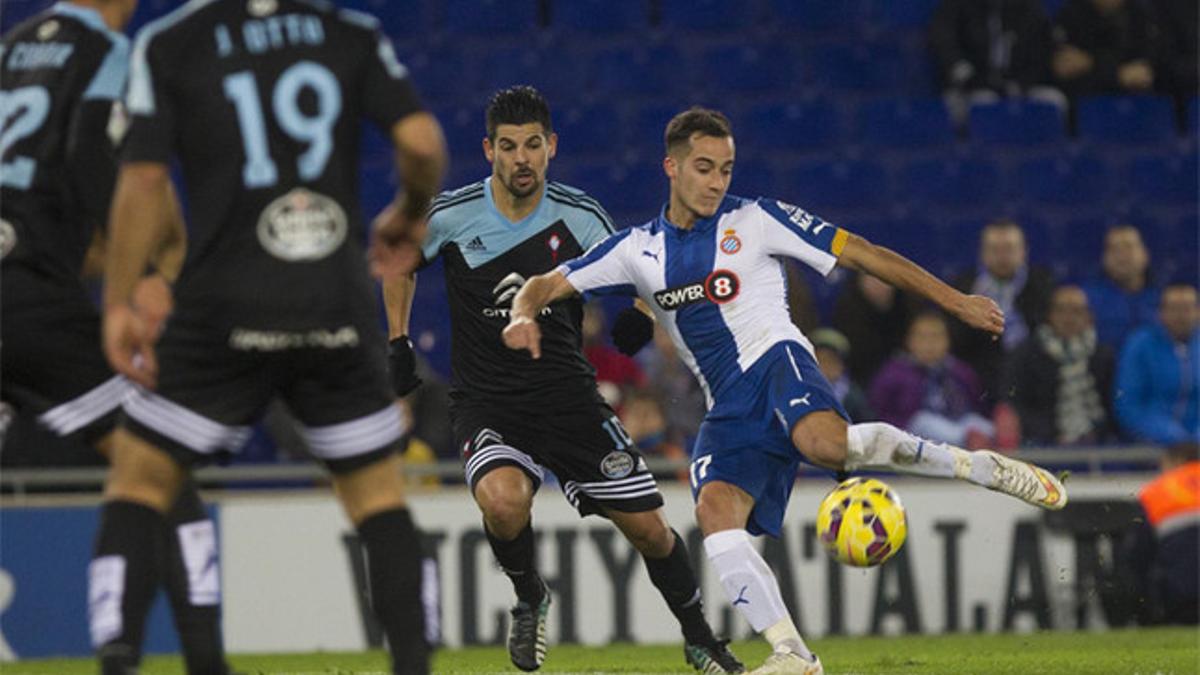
{"type": "Point", "coordinates": [186, 427]}
{"type": "Point", "coordinates": [356, 437]}
{"type": "Point", "coordinates": [82, 410]}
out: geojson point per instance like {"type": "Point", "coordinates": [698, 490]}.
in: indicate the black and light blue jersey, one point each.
{"type": "Point", "coordinates": [487, 259]}
{"type": "Point", "coordinates": [262, 104]}
{"type": "Point", "coordinates": [718, 288]}
{"type": "Point", "coordinates": [61, 72]}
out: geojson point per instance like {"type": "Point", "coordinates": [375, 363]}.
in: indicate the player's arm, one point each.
{"type": "Point", "coordinates": [522, 331]}
{"type": "Point", "coordinates": [398, 292]}
{"type": "Point", "coordinates": [420, 162]}
{"type": "Point", "coordinates": [142, 221]}
{"type": "Point", "coordinates": [975, 310]}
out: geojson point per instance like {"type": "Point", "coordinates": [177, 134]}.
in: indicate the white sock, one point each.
{"type": "Point", "coordinates": [751, 587]}
{"type": "Point", "coordinates": [879, 446]}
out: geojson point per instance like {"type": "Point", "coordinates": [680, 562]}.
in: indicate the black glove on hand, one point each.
{"type": "Point", "coordinates": [402, 362]}
{"type": "Point", "coordinates": [632, 330]}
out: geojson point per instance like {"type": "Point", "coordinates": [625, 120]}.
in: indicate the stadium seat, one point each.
{"type": "Point", "coordinates": [647, 124]}
{"type": "Point", "coordinates": [489, 18]}
{"type": "Point", "coordinates": [705, 15]}
{"type": "Point", "coordinates": [1193, 115]}
{"type": "Point", "coordinates": [742, 69]}
{"type": "Point", "coordinates": [1016, 122]}
{"type": "Point", "coordinates": [1126, 119]}
{"type": "Point", "coordinates": [464, 128]}
{"type": "Point", "coordinates": [954, 183]}
{"type": "Point", "coordinates": [908, 15]}
{"type": "Point", "coordinates": [807, 126]}
{"type": "Point", "coordinates": [400, 19]}
{"type": "Point", "coordinates": [756, 179]}
{"type": "Point", "coordinates": [905, 123]}
{"type": "Point", "coordinates": [857, 67]}
{"type": "Point", "coordinates": [441, 75]}
{"type": "Point", "coordinates": [1157, 179]}
{"type": "Point", "coordinates": [819, 18]}
{"type": "Point", "coordinates": [593, 130]}
{"type": "Point", "coordinates": [1064, 181]}
{"type": "Point", "coordinates": [499, 67]}
{"type": "Point", "coordinates": [599, 17]}
{"type": "Point", "coordinates": [641, 71]}
{"type": "Point", "coordinates": [842, 185]}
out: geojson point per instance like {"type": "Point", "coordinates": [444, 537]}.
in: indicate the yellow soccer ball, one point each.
{"type": "Point", "coordinates": [861, 522]}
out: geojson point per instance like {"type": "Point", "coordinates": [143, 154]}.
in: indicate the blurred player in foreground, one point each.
{"type": "Point", "coordinates": [64, 71]}
{"type": "Point", "coordinates": [261, 102]}
{"type": "Point", "coordinates": [709, 268]}
{"type": "Point", "coordinates": [513, 415]}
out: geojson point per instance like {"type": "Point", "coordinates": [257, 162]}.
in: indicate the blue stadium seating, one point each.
{"type": "Point", "coordinates": [951, 183]}
{"type": "Point", "coordinates": [442, 75]}
{"type": "Point", "coordinates": [1193, 115]}
{"type": "Point", "coordinates": [911, 15]}
{"type": "Point", "coordinates": [400, 19]}
{"type": "Point", "coordinates": [489, 18]}
{"type": "Point", "coordinates": [641, 71]}
{"type": "Point", "coordinates": [905, 123]}
{"type": "Point", "coordinates": [1164, 179]}
{"type": "Point", "coordinates": [1065, 181]}
{"type": "Point", "coordinates": [858, 67]}
{"type": "Point", "coordinates": [755, 178]}
{"type": "Point", "coordinates": [1126, 119]}
{"type": "Point", "coordinates": [465, 128]}
{"type": "Point", "coordinates": [594, 130]}
{"type": "Point", "coordinates": [844, 185]}
{"type": "Point", "coordinates": [705, 15]}
{"type": "Point", "coordinates": [644, 129]}
{"type": "Point", "coordinates": [495, 68]}
{"type": "Point", "coordinates": [744, 69]}
{"type": "Point", "coordinates": [600, 17]}
{"type": "Point", "coordinates": [805, 126]}
{"type": "Point", "coordinates": [1016, 122]}
{"type": "Point", "coordinates": [819, 18]}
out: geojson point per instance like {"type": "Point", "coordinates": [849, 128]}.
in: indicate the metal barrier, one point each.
{"type": "Point", "coordinates": [17, 482]}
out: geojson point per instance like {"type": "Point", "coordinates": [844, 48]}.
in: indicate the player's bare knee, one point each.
{"type": "Point", "coordinates": [142, 473]}
{"type": "Point", "coordinates": [821, 437]}
{"type": "Point", "coordinates": [647, 531]}
{"type": "Point", "coordinates": [721, 506]}
{"type": "Point", "coordinates": [506, 501]}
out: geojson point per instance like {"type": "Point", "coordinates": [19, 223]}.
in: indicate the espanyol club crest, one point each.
{"type": "Point", "coordinates": [553, 243]}
{"type": "Point", "coordinates": [730, 244]}
{"type": "Point", "coordinates": [617, 464]}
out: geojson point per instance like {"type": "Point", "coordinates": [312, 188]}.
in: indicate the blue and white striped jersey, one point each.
{"type": "Point", "coordinates": [718, 288]}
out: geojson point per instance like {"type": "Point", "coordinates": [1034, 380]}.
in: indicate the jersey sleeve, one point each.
{"type": "Point", "coordinates": [795, 233]}
{"type": "Point", "coordinates": [150, 106]}
{"type": "Point", "coordinates": [603, 270]}
{"type": "Point", "coordinates": [388, 91]}
{"type": "Point", "coordinates": [595, 226]}
{"type": "Point", "coordinates": [435, 238]}
{"type": "Point", "coordinates": [91, 149]}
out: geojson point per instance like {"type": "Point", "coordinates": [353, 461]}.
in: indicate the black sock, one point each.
{"type": "Point", "coordinates": [122, 581]}
{"type": "Point", "coordinates": [516, 558]}
{"type": "Point", "coordinates": [394, 578]}
{"type": "Point", "coordinates": [195, 597]}
{"type": "Point", "coordinates": [674, 578]}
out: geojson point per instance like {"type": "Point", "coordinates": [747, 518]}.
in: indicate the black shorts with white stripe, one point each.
{"type": "Point", "coordinates": [585, 448]}
{"type": "Point", "coordinates": [213, 385]}
{"type": "Point", "coordinates": [51, 360]}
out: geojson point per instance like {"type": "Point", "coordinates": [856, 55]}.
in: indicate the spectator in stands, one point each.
{"type": "Point", "coordinates": [1058, 380]}
{"type": "Point", "coordinates": [681, 398]}
{"type": "Point", "coordinates": [993, 48]}
{"type": "Point", "coordinates": [1158, 375]}
{"type": "Point", "coordinates": [1159, 559]}
{"type": "Point", "coordinates": [874, 317]}
{"type": "Point", "coordinates": [929, 392]}
{"type": "Point", "coordinates": [1021, 290]}
{"type": "Point", "coordinates": [1123, 298]}
{"type": "Point", "coordinates": [643, 418]}
{"type": "Point", "coordinates": [616, 373]}
{"type": "Point", "coordinates": [832, 349]}
{"type": "Point", "coordinates": [1179, 47]}
{"type": "Point", "coordinates": [1104, 47]}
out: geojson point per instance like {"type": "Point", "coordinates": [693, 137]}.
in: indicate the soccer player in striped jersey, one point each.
{"type": "Point", "coordinates": [513, 415]}
{"type": "Point", "coordinates": [62, 73]}
{"type": "Point", "coordinates": [709, 266]}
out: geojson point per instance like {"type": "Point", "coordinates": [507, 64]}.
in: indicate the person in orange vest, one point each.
{"type": "Point", "coordinates": [1162, 552]}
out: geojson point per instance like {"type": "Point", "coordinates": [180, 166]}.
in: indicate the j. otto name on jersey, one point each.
{"type": "Point", "coordinates": [504, 292]}
{"type": "Point", "coordinates": [719, 287]}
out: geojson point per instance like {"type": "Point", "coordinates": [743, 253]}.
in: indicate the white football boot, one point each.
{"type": "Point", "coordinates": [1029, 483]}
{"type": "Point", "coordinates": [789, 663]}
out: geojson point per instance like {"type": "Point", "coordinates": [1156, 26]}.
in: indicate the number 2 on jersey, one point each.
{"type": "Point", "coordinates": [28, 107]}
{"type": "Point", "coordinates": [316, 130]}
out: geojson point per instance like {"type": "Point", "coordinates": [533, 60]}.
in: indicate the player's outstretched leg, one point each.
{"type": "Point", "coordinates": [880, 446]}
{"type": "Point", "coordinates": [671, 572]}
{"type": "Point", "coordinates": [193, 583]}
{"type": "Point", "coordinates": [505, 496]}
{"type": "Point", "coordinates": [722, 510]}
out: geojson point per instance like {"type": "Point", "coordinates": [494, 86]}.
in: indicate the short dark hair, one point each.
{"type": "Point", "coordinates": [521, 104]}
{"type": "Point", "coordinates": [692, 121]}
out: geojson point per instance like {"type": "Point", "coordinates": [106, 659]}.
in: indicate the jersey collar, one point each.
{"type": "Point", "coordinates": [87, 15]}
{"type": "Point", "coordinates": [729, 203]}
{"type": "Point", "coordinates": [491, 204]}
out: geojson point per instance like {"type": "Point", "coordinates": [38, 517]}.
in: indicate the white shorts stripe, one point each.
{"type": "Point", "coordinates": [356, 437]}
{"type": "Point", "coordinates": [636, 478]}
{"type": "Point", "coordinates": [90, 406]}
{"type": "Point", "coordinates": [495, 452]}
{"type": "Point", "coordinates": [594, 490]}
{"type": "Point", "coordinates": [184, 426]}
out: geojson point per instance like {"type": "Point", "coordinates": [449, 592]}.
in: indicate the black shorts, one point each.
{"type": "Point", "coordinates": [586, 448]}
{"type": "Point", "coordinates": [51, 362]}
{"type": "Point", "coordinates": [215, 381]}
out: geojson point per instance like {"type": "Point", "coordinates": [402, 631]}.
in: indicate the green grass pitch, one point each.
{"type": "Point", "coordinates": [1167, 651]}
